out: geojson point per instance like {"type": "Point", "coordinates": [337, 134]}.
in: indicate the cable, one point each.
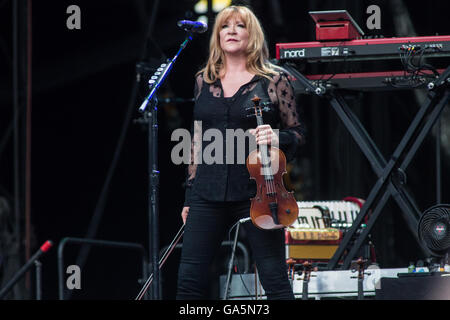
{"type": "Point", "coordinates": [235, 263]}
{"type": "Point", "coordinates": [413, 69]}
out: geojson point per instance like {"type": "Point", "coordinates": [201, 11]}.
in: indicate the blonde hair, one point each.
{"type": "Point", "coordinates": [257, 52]}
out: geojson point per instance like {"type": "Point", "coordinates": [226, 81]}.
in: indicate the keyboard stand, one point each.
{"type": "Point", "coordinates": [391, 174]}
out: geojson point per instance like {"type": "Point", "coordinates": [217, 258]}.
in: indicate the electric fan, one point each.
{"type": "Point", "coordinates": [434, 229]}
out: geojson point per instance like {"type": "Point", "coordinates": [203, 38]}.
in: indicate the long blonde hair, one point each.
{"type": "Point", "coordinates": [257, 52]}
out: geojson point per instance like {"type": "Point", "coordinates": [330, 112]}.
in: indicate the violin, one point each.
{"type": "Point", "coordinates": [273, 207]}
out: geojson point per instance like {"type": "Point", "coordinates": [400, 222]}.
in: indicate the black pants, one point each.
{"type": "Point", "coordinates": [206, 227]}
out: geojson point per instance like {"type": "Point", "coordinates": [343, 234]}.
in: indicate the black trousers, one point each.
{"type": "Point", "coordinates": [206, 227]}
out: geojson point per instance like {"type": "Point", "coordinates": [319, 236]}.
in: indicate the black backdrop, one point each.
{"type": "Point", "coordinates": [82, 81]}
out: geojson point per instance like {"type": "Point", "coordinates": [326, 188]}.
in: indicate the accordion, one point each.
{"type": "Point", "coordinates": [319, 228]}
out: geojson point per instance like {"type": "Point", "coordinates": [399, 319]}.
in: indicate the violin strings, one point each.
{"type": "Point", "coordinates": [271, 173]}
{"type": "Point", "coordinates": [265, 155]}
{"type": "Point", "coordinates": [267, 172]}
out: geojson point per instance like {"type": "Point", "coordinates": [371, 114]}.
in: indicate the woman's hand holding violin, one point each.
{"type": "Point", "coordinates": [265, 135]}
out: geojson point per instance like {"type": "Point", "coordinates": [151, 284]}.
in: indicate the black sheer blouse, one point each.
{"type": "Point", "coordinates": [222, 179]}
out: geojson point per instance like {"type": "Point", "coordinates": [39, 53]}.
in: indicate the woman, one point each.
{"type": "Point", "coordinates": [218, 194]}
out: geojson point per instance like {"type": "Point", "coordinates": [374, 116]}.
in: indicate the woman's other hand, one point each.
{"type": "Point", "coordinates": [184, 214]}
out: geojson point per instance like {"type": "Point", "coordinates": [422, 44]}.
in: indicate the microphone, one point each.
{"type": "Point", "coordinates": [193, 26]}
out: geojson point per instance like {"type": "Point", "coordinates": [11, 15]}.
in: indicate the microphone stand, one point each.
{"type": "Point", "coordinates": [21, 272]}
{"type": "Point", "coordinates": [226, 291]}
{"type": "Point", "coordinates": [149, 109]}
{"type": "Point", "coordinates": [161, 74]}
